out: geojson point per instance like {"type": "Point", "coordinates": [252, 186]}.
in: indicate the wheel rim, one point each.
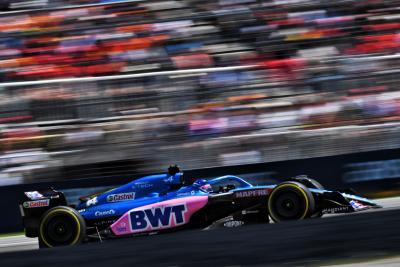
{"type": "Point", "coordinates": [288, 204]}
{"type": "Point", "coordinates": [60, 230]}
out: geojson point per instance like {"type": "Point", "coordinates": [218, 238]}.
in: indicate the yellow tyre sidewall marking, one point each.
{"type": "Point", "coordinates": [289, 186]}
{"type": "Point", "coordinates": [62, 211]}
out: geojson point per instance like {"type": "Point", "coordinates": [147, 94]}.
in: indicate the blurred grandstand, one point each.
{"type": "Point", "coordinates": [132, 86]}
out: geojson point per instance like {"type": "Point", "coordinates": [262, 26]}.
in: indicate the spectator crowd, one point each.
{"type": "Point", "coordinates": [252, 67]}
{"type": "Point", "coordinates": [159, 35]}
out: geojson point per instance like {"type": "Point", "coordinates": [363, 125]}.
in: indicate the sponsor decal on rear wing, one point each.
{"type": "Point", "coordinates": [36, 203]}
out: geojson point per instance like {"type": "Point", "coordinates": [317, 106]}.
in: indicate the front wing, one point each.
{"type": "Point", "coordinates": [328, 202]}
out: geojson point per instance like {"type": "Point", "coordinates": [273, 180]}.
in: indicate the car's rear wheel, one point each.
{"type": "Point", "coordinates": [290, 201]}
{"type": "Point", "coordinates": [61, 226]}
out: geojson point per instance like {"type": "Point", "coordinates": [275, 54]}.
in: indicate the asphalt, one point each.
{"type": "Point", "coordinates": [22, 243]}
{"type": "Point", "coordinates": [17, 243]}
{"type": "Point", "coordinates": [14, 246]}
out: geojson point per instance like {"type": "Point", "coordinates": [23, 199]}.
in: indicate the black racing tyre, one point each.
{"type": "Point", "coordinates": [290, 201]}
{"type": "Point", "coordinates": [309, 182]}
{"type": "Point", "coordinates": [61, 226]}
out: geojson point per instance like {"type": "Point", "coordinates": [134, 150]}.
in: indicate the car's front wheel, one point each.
{"type": "Point", "coordinates": [61, 226]}
{"type": "Point", "coordinates": [290, 201]}
{"type": "Point", "coordinates": [308, 182]}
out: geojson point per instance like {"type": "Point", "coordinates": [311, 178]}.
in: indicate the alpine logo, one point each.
{"type": "Point", "coordinates": [92, 201]}
{"type": "Point", "coordinates": [158, 218]}
{"type": "Point", "coordinates": [121, 197]}
{"type": "Point", "coordinates": [36, 203]}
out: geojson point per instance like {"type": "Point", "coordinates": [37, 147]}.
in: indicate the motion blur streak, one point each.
{"type": "Point", "coordinates": [300, 243]}
{"type": "Point", "coordinates": [322, 73]}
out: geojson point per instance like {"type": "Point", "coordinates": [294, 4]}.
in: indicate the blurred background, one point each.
{"type": "Point", "coordinates": [107, 88]}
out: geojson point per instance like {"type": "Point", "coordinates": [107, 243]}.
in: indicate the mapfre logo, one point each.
{"type": "Point", "coordinates": [251, 193]}
{"type": "Point", "coordinates": [158, 218]}
{"type": "Point", "coordinates": [36, 203]}
{"type": "Point", "coordinates": [121, 197]}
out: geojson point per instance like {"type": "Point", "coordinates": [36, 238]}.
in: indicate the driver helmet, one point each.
{"type": "Point", "coordinates": [203, 185]}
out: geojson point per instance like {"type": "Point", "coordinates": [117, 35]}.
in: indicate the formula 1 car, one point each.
{"type": "Point", "coordinates": [164, 202]}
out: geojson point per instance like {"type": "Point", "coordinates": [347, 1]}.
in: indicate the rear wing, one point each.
{"type": "Point", "coordinates": [35, 204]}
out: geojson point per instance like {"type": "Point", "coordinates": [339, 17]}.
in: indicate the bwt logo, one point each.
{"type": "Point", "coordinates": [158, 218]}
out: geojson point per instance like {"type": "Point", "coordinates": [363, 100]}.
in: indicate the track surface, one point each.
{"type": "Point", "coordinates": [367, 235]}
{"type": "Point", "coordinates": [17, 243]}
{"type": "Point", "coordinates": [21, 243]}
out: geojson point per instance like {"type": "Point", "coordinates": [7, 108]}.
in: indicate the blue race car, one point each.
{"type": "Point", "coordinates": [165, 202]}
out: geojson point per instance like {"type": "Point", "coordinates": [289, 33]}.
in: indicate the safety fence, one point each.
{"type": "Point", "coordinates": [197, 118]}
{"type": "Point", "coordinates": [373, 174]}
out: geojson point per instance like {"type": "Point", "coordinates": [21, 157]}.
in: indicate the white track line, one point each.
{"type": "Point", "coordinates": [25, 243]}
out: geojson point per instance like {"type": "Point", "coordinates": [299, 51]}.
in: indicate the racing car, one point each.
{"type": "Point", "coordinates": [166, 202]}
